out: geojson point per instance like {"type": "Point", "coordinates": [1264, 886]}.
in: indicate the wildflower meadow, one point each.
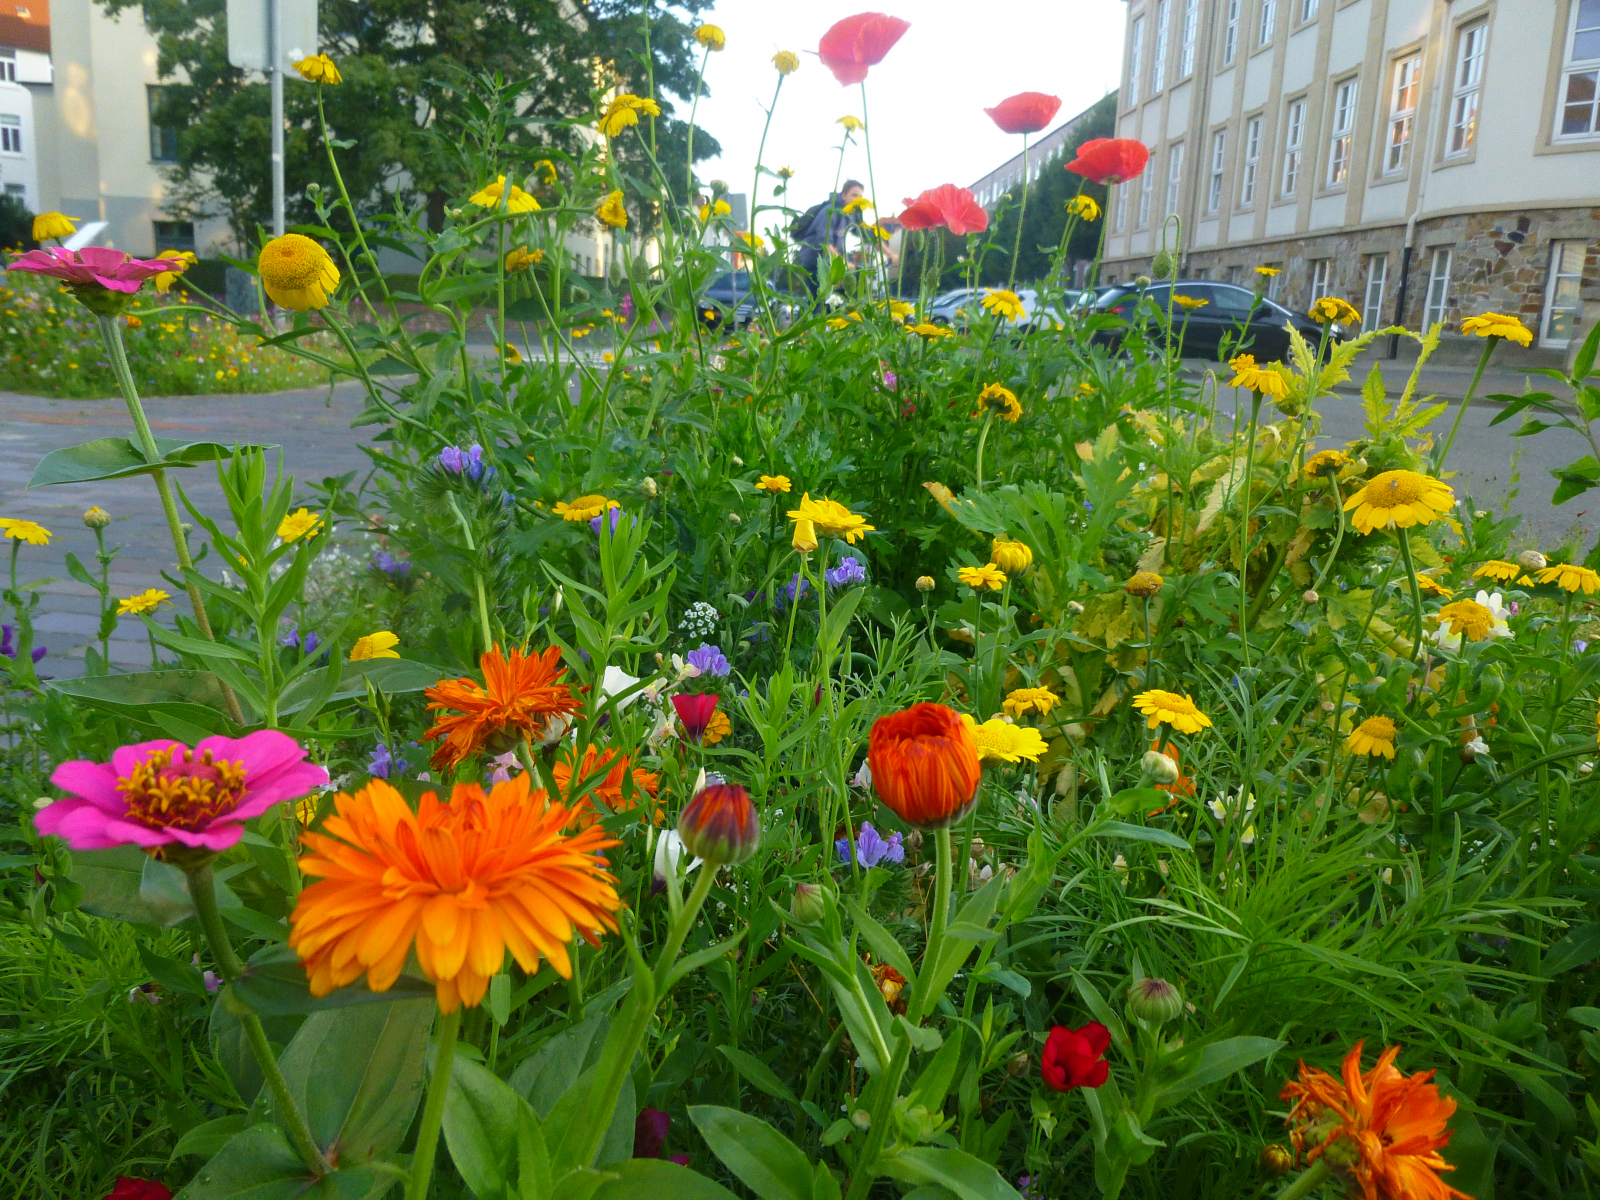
{"type": "Point", "coordinates": [833, 755]}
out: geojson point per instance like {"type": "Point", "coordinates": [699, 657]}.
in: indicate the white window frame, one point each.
{"type": "Point", "coordinates": [1158, 65]}
{"type": "Point", "coordinates": [1147, 191]}
{"type": "Point", "coordinates": [1321, 278]}
{"type": "Point", "coordinates": [10, 133]}
{"type": "Point", "coordinates": [1343, 122]}
{"type": "Point", "coordinates": [1308, 10]}
{"type": "Point", "coordinates": [1377, 282]}
{"type": "Point", "coordinates": [1466, 88]}
{"type": "Point", "coordinates": [1559, 271]}
{"type": "Point", "coordinates": [1230, 31]}
{"type": "Point", "coordinates": [1191, 30]}
{"type": "Point", "coordinates": [1436, 304]}
{"type": "Point", "coordinates": [1269, 23]}
{"type": "Point", "coordinates": [1219, 164]}
{"type": "Point", "coordinates": [1252, 162]}
{"type": "Point", "coordinates": [1135, 60]}
{"type": "Point", "coordinates": [8, 65]}
{"type": "Point", "coordinates": [1586, 68]}
{"type": "Point", "coordinates": [1294, 132]}
{"type": "Point", "coordinates": [1403, 93]}
{"type": "Point", "coordinates": [1174, 177]}
{"type": "Point", "coordinates": [1122, 207]}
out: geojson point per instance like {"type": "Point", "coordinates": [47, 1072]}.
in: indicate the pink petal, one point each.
{"type": "Point", "coordinates": [216, 836]}
{"type": "Point", "coordinates": [117, 285]}
{"type": "Point", "coordinates": [125, 758]}
{"type": "Point", "coordinates": [93, 782]}
{"type": "Point", "coordinates": [101, 259]}
{"type": "Point", "coordinates": [87, 828]}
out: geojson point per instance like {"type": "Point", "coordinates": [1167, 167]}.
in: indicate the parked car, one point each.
{"type": "Point", "coordinates": [947, 306]}
{"type": "Point", "coordinates": [785, 303]}
{"type": "Point", "coordinates": [1227, 309]}
{"type": "Point", "coordinates": [722, 297]}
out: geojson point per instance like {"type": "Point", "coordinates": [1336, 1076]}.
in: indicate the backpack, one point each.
{"type": "Point", "coordinates": [803, 223]}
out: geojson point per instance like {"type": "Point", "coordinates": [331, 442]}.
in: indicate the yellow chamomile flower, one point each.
{"type": "Point", "coordinates": [832, 518]}
{"type": "Point", "coordinates": [1429, 586]}
{"type": "Point", "coordinates": [717, 208]}
{"type": "Point", "coordinates": [1084, 208]}
{"type": "Point", "coordinates": [319, 68]}
{"type": "Point", "coordinates": [1374, 736]}
{"type": "Point", "coordinates": [1570, 577]}
{"type": "Point", "coordinates": [1010, 556]}
{"type": "Point", "coordinates": [612, 212]}
{"type": "Point", "coordinates": [1003, 303]}
{"type": "Point", "coordinates": [1001, 400]}
{"type": "Point", "coordinates": [53, 225]}
{"type": "Point", "coordinates": [1399, 500]}
{"type": "Point", "coordinates": [1268, 272]}
{"type": "Point", "coordinates": [987, 576]}
{"type": "Point", "coordinates": [1326, 462]}
{"type": "Point", "coordinates": [786, 61]}
{"type": "Point", "coordinates": [1263, 379]}
{"type": "Point", "coordinates": [584, 508]}
{"type": "Point", "coordinates": [1331, 308]}
{"type": "Point", "coordinates": [181, 260]}
{"type": "Point", "coordinates": [931, 331]}
{"type": "Point", "coordinates": [303, 523]}
{"type": "Point", "coordinates": [142, 602]}
{"type": "Point", "coordinates": [489, 197]}
{"type": "Point", "coordinates": [998, 740]}
{"type": "Point", "coordinates": [1026, 700]}
{"type": "Point", "coordinates": [850, 123]}
{"type": "Point", "coordinates": [773, 484]}
{"type": "Point", "coordinates": [1189, 303]}
{"type": "Point", "coordinates": [859, 204]}
{"type": "Point", "coordinates": [1171, 708]}
{"type": "Point", "coordinates": [297, 272]}
{"type": "Point", "coordinates": [1498, 570]}
{"type": "Point", "coordinates": [624, 111]}
{"type": "Point", "coordinates": [1492, 324]}
{"type": "Point", "coordinates": [711, 37]}
{"type": "Point", "coordinates": [1144, 584]}
{"type": "Point", "coordinates": [30, 532]}
{"type": "Point", "coordinates": [375, 645]}
{"type": "Point", "coordinates": [522, 258]}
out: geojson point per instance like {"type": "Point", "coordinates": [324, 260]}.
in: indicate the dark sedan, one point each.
{"type": "Point", "coordinates": [1227, 312]}
{"type": "Point", "coordinates": [722, 296]}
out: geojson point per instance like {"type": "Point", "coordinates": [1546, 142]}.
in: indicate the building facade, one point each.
{"type": "Point", "coordinates": [1424, 159]}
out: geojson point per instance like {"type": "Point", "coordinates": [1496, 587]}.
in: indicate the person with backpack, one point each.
{"type": "Point", "coordinates": [821, 230]}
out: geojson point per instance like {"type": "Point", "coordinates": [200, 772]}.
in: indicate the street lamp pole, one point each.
{"type": "Point", "coordinates": [275, 76]}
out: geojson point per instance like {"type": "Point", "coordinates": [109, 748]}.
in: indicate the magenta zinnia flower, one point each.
{"type": "Point", "coordinates": [92, 265]}
{"type": "Point", "coordinates": [156, 793]}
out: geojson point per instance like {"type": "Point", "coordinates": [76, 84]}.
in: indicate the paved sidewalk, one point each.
{"type": "Point", "coordinates": [313, 430]}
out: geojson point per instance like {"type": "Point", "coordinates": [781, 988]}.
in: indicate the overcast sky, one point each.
{"type": "Point", "coordinates": [926, 100]}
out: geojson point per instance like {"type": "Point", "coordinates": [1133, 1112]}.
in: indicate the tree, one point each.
{"type": "Point", "coordinates": [393, 112]}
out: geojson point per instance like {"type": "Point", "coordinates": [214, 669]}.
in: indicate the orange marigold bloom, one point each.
{"type": "Point", "coordinates": [517, 701]}
{"type": "Point", "coordinates": [464, 881]}
{"type": "Point", "coordinates": [1382, 1130]}
{"type": "Point", "coordinates": [608, 788]}
{"type": "Point", "coordinates": [924, 764]}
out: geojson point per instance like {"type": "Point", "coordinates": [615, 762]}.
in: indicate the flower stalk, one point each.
{"type": "Point", "coordinates": [433, 1109]}
{"type": "Point", "coordinates": [1489, 344]}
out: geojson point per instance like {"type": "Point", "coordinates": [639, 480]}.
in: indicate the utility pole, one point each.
{"type": "Point", "coordinates": [268, 36]}
{"type": "Point", "coordinates": [275, 78]}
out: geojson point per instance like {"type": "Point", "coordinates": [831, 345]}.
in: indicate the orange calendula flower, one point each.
{"type": "Point", "coordinates": [1381, 1131]}
{"type": "Point", "coordinates": [924, 764]}
{"type": "Point", "coordinates": [521, 699]}
{"type": "Point", "coordinates": [608, 788]}
{"type": "Point", "coordinates": [463, 882]}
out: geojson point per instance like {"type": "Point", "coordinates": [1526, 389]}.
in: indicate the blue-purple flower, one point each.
{"type": "Point", "coordinates": [469, 462]}
{"type": "Point", "coordinates": [709, 660]}
{"type": "Point", "coordinates": [294, 640]}
{"type": "Point", "coordinates": [872, 847]}
{"type": "Point", "coordinates": [847, 572]}
{"type": "Point", "coordinates": [387, 563]}
{"type": "Point", "coordinates": [796, 587]}
{"type": "Point", "coordinates": [614, 515]}
{"type": "Point", "coordinates": [383, 761]}
{"type": "Point", "coordinates": [8, 644]}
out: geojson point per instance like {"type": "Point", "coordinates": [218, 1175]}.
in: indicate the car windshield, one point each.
{"type": "Point", "coordinates": [731, 280]}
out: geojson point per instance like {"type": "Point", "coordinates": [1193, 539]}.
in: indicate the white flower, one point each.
{"type": "Point", "coordinates": [1388, 875]}
{"type": "Point", "coordinates": [669, 853]}
{"type": "Point", "coordinates": [1248, 837]}
{"type": "Point", "coordinates": [683, 670]}
{"type": "Point", "coordinates": [1119, 863]}
{"type": "Point", "coordinates": [555, 729]}
{"type": "Point", "coordinates": [1498, 625]}
{"type": "Point", "coordinates": [863, 777]}
{"type": "Point", "coordinates": [615, 682]}
{"type": "Point", "coordinates": [1477, 747]}
{"type": "Point", "coordinates": [1219, 810]}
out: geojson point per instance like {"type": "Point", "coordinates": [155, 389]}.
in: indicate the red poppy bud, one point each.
{"type": "Point", "coordinates": [858, 43]}
{"type": "Point", "coordinates": [1110, 160]}
{"type": "Point", "coordinates": [1026, 112]}
{"type": "Point", "coordinates": [924, 764]}
{"type": "Point", "coordinates": [720, 824]}
{"type": "Point", "coordinates": [1071, 1057]}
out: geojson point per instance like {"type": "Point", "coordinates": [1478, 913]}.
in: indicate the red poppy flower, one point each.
{"type": "Point", "coordinates": [696, 712]}
{"type": "Point", "coordinates": [953, 207]}
{"type": "Point", "coordinates": [924, 765]}
{"type": "Point", "coordinates": [1071, 1057]}
{"type": "Point", "coordinates": [1110, 160]}
{"type": "Point", "coordinates": [1026, 112]}
{"type": "Point", "coordinates": [129, 1188]}
{"type": "Point", "coordinates": [858, 43]}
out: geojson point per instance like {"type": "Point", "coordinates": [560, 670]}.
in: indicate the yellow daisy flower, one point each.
{"type": "Point", "coordinates": [302, 523]}
{"type": "Point", "coordinates": [489, 197]}
{"type": "Point", "coordinates": [1466, 618]}
{"type": "Point", "coordinates": [1326, 462]}
{"type": "Point", "coordinates": [1001, 400]}
{"type": "Point", "coordinates": [624, 111]}
{"type": "Point", "coordinates": [297, 272]}
{"type": "Point", "coordinates": [1498, 570]}
{"type": "Point", "coordinates": [1010, 556]}
{"type": "Point", "coordinates": [1570, 577]}
{"type": "Point", "coordinates": [1170, 708]}
{"type": "Point", "coordinates": [1026, 700]}
{"type": "Point", "coordinates": [998, 740]}
{"type": "Point", "coordinates": [1084, 208]}
{"type": "Point", "coordinates": [142, 602]}
{"type": "Point", "coordinates": [375, 645]}
{"type": "Point", "coordinates": [1004, 303]}
{"type": "Point", "coordinates": [1492, 324]}
{"type": "Point", "coordinates": [832, 518]}
{"type": "Point", "coordinates": [987, 576]}
{"type": "Point", "coordinates": [319, 68]}
{"type": "Point", "coordinates": [584, 508]}
{"type": "Point", "coordinates": [711, 37]}
{"type": "Point", "coordinates": [1374, 736]}
{"type": "Point", "coordinates": [1399, 499]}
{"type": "Point", "coordinates": [773, 484]}
{"type": "Point", "coordinates": [1331, 308]}
{"type": "Point", "coordinates": [786, 61]}
{"type": "Point", "coordinates": [1429, 586]}
{"type": "Point", "coordinates": [1263, 379]}
{"type": "Point", "coordinates": [25, 531]}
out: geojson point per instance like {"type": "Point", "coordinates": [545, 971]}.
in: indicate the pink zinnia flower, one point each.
{"type": "Point", "coordinates": [158, 793]}
{"type": "Point", "coordinates": [110, 269]}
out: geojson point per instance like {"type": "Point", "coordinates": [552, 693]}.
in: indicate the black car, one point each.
{"type": "Point", "coordinates": [1228, 311]}
{"type": "Point", "coordinates": [722, 297]}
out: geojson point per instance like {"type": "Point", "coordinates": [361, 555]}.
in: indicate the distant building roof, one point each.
{"type": "Point", "coordinates": [25, 33]}
{"type": "Point", "coordinates": [1049, 148]}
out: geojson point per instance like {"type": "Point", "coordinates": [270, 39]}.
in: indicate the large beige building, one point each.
{"type": "Point", "coordinates": [1424, 159]}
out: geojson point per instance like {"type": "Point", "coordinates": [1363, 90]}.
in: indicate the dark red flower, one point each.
{"type": "Point", "coordinates": [129, 1188]}
{"type": "Point", "coordinates": [1026, 112]}
{"type": "Point", "coordinates": [954, 207]}
{"type": "Point", "coordinates": [720, 824]}
{"type": "Point", "coordinates": [858, 43]}
{"type": "Point", "coordinates": [1110, 160]}
{"type": "Point", "coordinates": [696, 712]}
{"type": "Point", "coordinates": [650, 1132]}
{"type": "Point", "coordinates": [1071, 1057]}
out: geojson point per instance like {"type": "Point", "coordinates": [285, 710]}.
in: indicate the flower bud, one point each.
{"type": "Point", "coordinates": [96, 517]}
{"type": "Point", "coordinates": [1275, 1160]}
{"type": "Point", "coordinates": [1143, 584]}
{"type": "Point", "coordinates": [720, 825]}
{"type": "Point", "coordinates": [649, 488]}
{"type": "Point", "coordinates": [1074, 607]}
{"type": "Point", "coordinates": [808, 904]}
{"type": "Point", "coordinates": [861, 1119]}
{"type": "Point", "coordinates": [1310, 596]}
{"type": "Point", "coordinates": [805, 536]}
{"type": "Point", "coordinates": [1155, 1001]}
{"type": "Point", "coordinates": [669, 853]}
{"type": "Point", "coordinates": [737, 461]}
{"type": "Point", "coordinates": [1142, 281]}
{"type": "Point", "coordinates": [1163, 265]}
{"type": "Point", "coordinates": [1158, 767]}
{"type": "Point", "coordinates": [1531, 560]}
{"type": "Point", "coordinates": [1017, 1065]}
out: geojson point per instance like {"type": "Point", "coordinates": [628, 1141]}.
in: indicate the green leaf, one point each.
{"type": "Point", "coordinates": [274, 984]}
{"type": "Point", "coordinates": [1575, 478]}
{"type": "Point", "coordinates": [192, 696]}
{"type": "Point", "coordinates": [481, 1119]}
{"type": "Point", "coordinates": [390, 676]}
{"type": "Point", "coordinates": [356, 1073]}
{"type": "Point", "coordinates": [205, 1140]}
{"type": "Point", "coordinates": [1578, 947]}
{"type": "Point", "coordinates": [112, 882]}
{"type": "Point", "coordinates": [757, 1074]}
{"type": "Point", "coordinates": [117, 458]}
{"type": "Point", "coordinates": [954, 1170]}
{"type": "Point", "coordinates": [883, 943]}
{"type": "Point", "coordinates": [658, 1179]}
{"type": "Point", "coordinates": [1141, 833]}
{"type": "Point", "coordinates": [1006, 979]}
{"type": "Point", "coordinates": [1216, 1061]}
{"type": "Point", "coordinates": [545, 1077]}
{"type": "Point", "coordinates": [1583, 361]}
{"type": "Point", "coordinates": [180, 977]}
{"type": "Point", "coordinates": [258, 1164]}
{"type": "Point", "coordinates": [765, 1161]}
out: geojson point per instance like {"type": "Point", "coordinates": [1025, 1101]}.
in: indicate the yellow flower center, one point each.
{"type": "Point", "coordinates": [1394, 489]}
{"type": "Point", "coordinates": [186, 794]}
{"type": "Point", "coordinates": [292, 261]}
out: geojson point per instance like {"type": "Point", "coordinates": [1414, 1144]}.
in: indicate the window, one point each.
{"type": "Point", "coordinates": [1372, 308]}
{"type": "Point", "coordinates": [163, 138]}
{"type": "Point", "coordinates": [1437, 304]}
{"type": "Point", "coordinates": [1200, 273]}
{"type": "Point", "coordinates": [1135, 60]}
{"type": "Point", "coordinates": [17, 190]}
{"type": "Point", "coordinates": [1294, 127]}
{"type": "Point", "coordinates": [1147, 188]}
{"type": "Point", "coordinates": [1402, 112]}
{"type": "Point", "coordinates": [1468, 82]}
{"type": "Point", "coordinates": [174, 235]}
{"type": "Point", "coordinates": [1191, 28]}
{"type": "Point", "coordinates": [1122, 206]}
{"type": "Point", "coordinates": [8, 64]}
{"type": "Point", "coordinates": [1580, 89]}
{"type": "Point", "coordinates": [10, 133]}
{"type": "Point", "coordinates": [1230, 33]}
{"type": "Point", "coordinates": [1158, 69]}
{"type": "Point", "coordinates": [1271, 282]}
{"type": "Point", "coordinates": [1174, 177]}
{"type": "Point", "coordinates": [1308, 10]}
{"type": "Point", "coordinates": [1219, 154]}
{"type": "Point", "coordinates": [1321, 277]}
{"type": "Point", "coordinates": [1252, 162]}
{"type": "Point", "coordinates": [1344, 120]}
{"type": "Point", "coordinates": [1562, 305]}
{"type": "Point", "coordinates": [1269, 21]}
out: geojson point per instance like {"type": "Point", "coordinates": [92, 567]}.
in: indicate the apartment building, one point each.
{"type": "Point", "coordinates": [1050, 149]}
{"type": "Point", "coordinates": [1424, 159]}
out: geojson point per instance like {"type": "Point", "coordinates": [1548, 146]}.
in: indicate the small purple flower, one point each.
{"type": "Point", "coordinates": [787, 594]}
{"type": "Point", "coordinates": [709, 659]}
{"type": "Point", "coordinates": [626, 307]}
{"type": "Point", "coordinates": [1024, 1187]}
{"type": "Point", "coordinates": [872, 846]}
{"type": "Point", "coordinates": [469, 462]}
{"type": "Point", "coordinates": [615, 516]}
{"type": "Point", "coordinates": [1579, 645]}
{"type": "Point", "coordinates": [387, 563]}
{"type": "Point", "coordinates": [383, 760]}
{"type": "Point", "coordinates": [650, 1132]}
{"type": "Point", "coordinates": [890, 379]}
{"type": "Point", "coordinates": [8, 644]}
{"type": "Point", "coordinates": [847, 572]}
{"type": "Point", "coordinates": [293, 640]}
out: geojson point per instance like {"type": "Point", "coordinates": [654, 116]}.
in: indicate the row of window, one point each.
{"type": "Point", "coordinates": [1577, 115]}
{"type": "Point", "coordinates": [988, 194]}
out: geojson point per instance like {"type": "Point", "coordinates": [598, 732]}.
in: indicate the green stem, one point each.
{"type": "Point", "coordinates": [1244, 528]}
{"type": "Point", "coordinates": [923, 1003]}
{"type": "Point", "coordinates": [1313, 1177]}
{"type": "Point", "coordinates": [1416, 593]}
{"type": "Point", "coordinates": [1022, 211]}
{"type": "Point", "coordinates": [1477, 375]}
{"type": "Point", "coordinates": [699, 86]}
{"type": "Point", "coordinates": [202, 890]}
{"type": "Point", "coordinates": [433, 1110]}
{"type": "Point", "coordinates": [983, 437]}
{"type": "Point", "coordinates": [111, 334]}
